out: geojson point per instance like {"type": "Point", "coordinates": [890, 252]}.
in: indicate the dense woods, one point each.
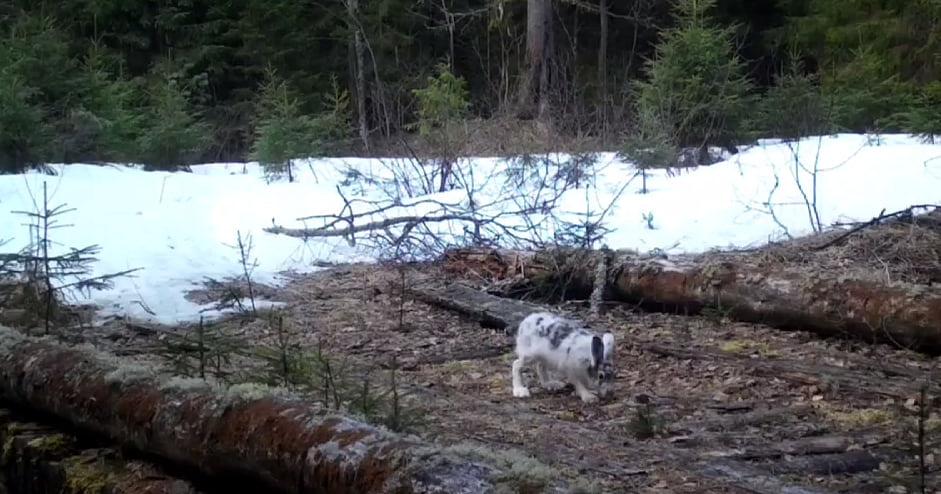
{"type": "Point", "coordinates": [172, 82]}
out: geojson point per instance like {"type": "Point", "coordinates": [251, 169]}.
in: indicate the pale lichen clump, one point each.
{"type": "Point", "coordinates": [178, 383]}
{"type": "Point", "coordinates": [127, 372]}
{"type": "Point", "coordinates": [518, 472]}
{"type": "Point", "coordinates": [9, 338]}
{"type": "Point", "coordinates": [244, 392]}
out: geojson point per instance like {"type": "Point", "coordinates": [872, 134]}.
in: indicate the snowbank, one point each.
{"type": "Point", "coordinates": [181, 227]}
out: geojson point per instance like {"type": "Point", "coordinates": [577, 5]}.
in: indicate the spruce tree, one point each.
{"type": "Point", "coordinates": [284, 133]}
{"type": "Point", "coordinates": [23, 134]}
{"type": "Point", "coordinates": [794, 107]}
{"type": "Point", "coordinates": [173, 134]}
{"type": "Point", "coordinates": [696, 82]}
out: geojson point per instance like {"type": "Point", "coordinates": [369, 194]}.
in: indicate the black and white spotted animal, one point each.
{"type": "Point", "coordinates": [561, 347]}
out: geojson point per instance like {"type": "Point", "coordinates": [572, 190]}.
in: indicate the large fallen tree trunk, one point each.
{"type": "Point", "coordinates": [502, 312]}
{"type": "Point", "coordinates": [277, 442]}
{"type": "Point", "coordinates": [737, 285]}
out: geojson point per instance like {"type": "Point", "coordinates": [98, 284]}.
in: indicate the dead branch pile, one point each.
{"type": "Point", "coordinates": [902, 248]}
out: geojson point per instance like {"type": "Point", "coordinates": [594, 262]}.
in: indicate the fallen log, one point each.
{"type": "Point", "coordinates": [751, 479]}
{"type": "Point", "coordinates": [829, 464]}
{"type": "Point", "coordinates": [37, 460]}
{"type": "Point", "coordinates": [507, 313]}
{"type": "Point", "coordinates": [275, 441]}
{"type": "Point", "coordinates": [811, 446]}
{"type": "Point", "coordinates": [742, 420]}
{"type": "Point", "coordinates": [741, 287]}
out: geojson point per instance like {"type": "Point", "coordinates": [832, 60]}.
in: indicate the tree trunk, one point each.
{"type": "Point", "coordinates": [539, 50]}
{"type": "Point", "coordinates": [603, 67]}
{"type": "Point", "coordinates": [830, 304]}
{"type": "Point", "coordinates": [281, 443]}
{"type": "Point", "coordinates": [359, 71]}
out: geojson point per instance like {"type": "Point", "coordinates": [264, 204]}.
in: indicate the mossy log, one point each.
{"type": "Point", "coordinates": [274, 440]}
{"type": "Point", "coordinates": [739, 286]}
{"type": "Point", "coordinates": [37, 459]}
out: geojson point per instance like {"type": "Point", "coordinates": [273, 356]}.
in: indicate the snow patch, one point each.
{"type": "Point", "coordinates": [181, 227]}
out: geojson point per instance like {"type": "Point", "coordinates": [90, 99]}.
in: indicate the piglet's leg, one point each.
{"type": "Point", "coordinates": [519, 389]}
{"type": "Point", "coordinates": [584, 393]}
{"type": "Point", "coordinates": [545, 379]}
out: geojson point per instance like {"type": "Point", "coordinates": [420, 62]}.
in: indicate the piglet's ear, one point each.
{"type": "Point", "coordinates": [608, 340]}
{"type": "Point", "coordinates": [597, 351]}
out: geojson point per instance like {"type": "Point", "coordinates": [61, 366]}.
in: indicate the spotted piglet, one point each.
{"type": "Point", "coordinates": [565, 348]}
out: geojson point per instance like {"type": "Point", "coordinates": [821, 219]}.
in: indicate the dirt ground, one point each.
{"type": "Point", "coordinates": [713, 405]}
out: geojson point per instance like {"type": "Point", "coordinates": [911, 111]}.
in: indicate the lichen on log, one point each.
{"type": "Point", "coordinates": [279, 441]}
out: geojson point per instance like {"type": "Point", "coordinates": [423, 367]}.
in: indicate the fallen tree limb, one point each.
{"type": "Point", "coordinates": [507, 313]}
{"type": "Point", "coordinates": [279, 442]}
{"type": "Point", "coordinates": [368, 227]}
{"type": "Point", "coordinates": [741, 420]}
{"type": "Point", "coordinates": [826, 303]}
{"type": "Point", "coordinates": [829, 464]}
{"type": "Point", "coordinates": [810, 446]}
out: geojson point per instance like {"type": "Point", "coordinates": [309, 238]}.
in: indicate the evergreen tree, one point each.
{"type": "Point", "coordinates": [173, 135]}
{"type": "Point", "coordinates": [105, 122]}
{"type": "Point", "coordinates": [23, 135]}
{"type": "Point", "coordinates": [442, 103]}
{"type": "Point", "coordinates": [650, 146]}
{"type": "Point", "coordinates": [924, 118]}
{"type": "Point", "coordinates": [284, 132]}
{"type": "Point", "coordinates": [37, 79]}
{"type": "Point", "coordinates": [696, 83]}
{"type": "Point", "coordinates": [794, 107]}
{"type": "Point", "coordinates": [874, 56]}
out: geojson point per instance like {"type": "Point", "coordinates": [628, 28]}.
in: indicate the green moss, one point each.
{"type": "Point", "coordinates": [52, 444]}
{"type": "Point", "coordinates": [85, 476]}
{"type": "Point", "coordinates": [749, 347]}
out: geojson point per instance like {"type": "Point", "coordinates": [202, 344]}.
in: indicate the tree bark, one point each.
{"type": "Point", "coordinates": [829, 304]}
{"type": "Point", "coordinates": [539, 50]}
{"type": "Point", "coordinates": [280, 443]}
{"type": "Point", "coordinates": [359, 71]}
{"type": "Point", "coordinates": [603, 67]}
